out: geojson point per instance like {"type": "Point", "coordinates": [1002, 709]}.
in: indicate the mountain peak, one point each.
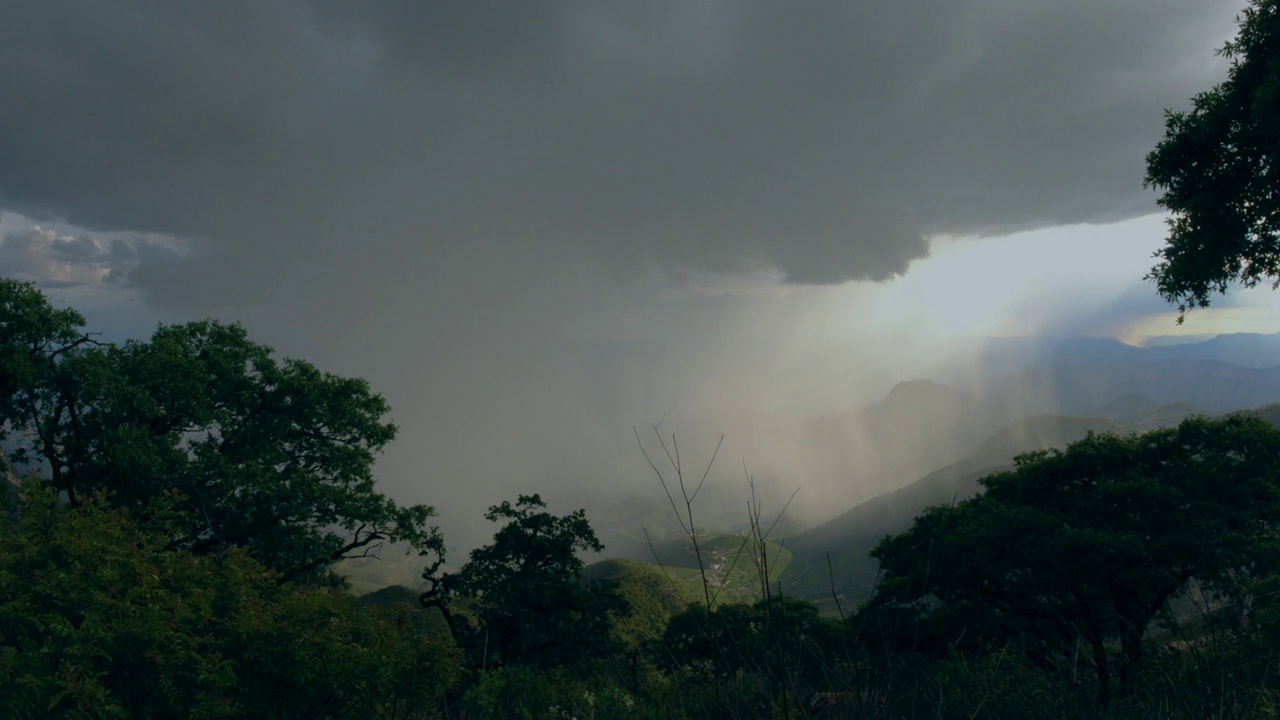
{"type": "Point", "coordinates": [914, 392]}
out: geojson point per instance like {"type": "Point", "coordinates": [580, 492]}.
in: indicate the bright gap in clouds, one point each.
{"type": "Point", "coordinates": [1261, 315]}
{"type": "Point", "coordinates": [1071, 281]}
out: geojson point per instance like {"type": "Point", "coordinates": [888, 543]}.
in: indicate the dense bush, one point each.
{"type": "Point", "coordinates": [100, 618]}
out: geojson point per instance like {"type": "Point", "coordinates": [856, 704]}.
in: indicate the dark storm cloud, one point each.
{"type": "Point", "coordinates": [478, 205]}
{"type": "Point", "coordinates": [826, 139]}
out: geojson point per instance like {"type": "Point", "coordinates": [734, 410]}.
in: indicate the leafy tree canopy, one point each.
{"type": "Point", "coordinates": [523, 598]}
{"type": "Point", "coordinates": [1217, 168]}
{"type": "Point", "coordinates": [272, 456]}
{"type": "Point", "coordinates": [776, 636]}
{"type": "Point", "coordinates": [1091, 542]}
{"type": "Point", "coordinates": [100, 618]}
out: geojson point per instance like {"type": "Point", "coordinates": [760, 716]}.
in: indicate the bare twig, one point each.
{"type": "Point", "coordinates": [831, 577]}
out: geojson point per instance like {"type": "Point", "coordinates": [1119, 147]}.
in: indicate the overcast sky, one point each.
{"type": "Point", "coordinates": [534, 224]}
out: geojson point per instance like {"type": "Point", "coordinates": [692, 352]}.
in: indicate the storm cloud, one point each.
{"type": "Point", "coordinates": [535, 224]}
{"type": "Point", "coordinates": [825, 139]}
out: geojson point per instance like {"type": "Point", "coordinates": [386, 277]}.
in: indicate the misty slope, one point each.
{"type": "Point", "coordinates": [844, 458]}
{"type": "Point", "coordinates": [1210, 384]}
{"type": "Point", "coordinates": [1144, 413]}
{"type": "Point", "coordinates": [1077, 376]}
{"type": "Point", "coordinates": [636, 528]}
{"type": "Point", "coordinates": [850, 537]}
{"type": "Point", "coordinates": [922, 426]}
{"type": "Point", "coordinates": [1125, 407]}
{"type": "Point", "coordinates": [1015, 395]}
{"type": "Point", "coordinates": [1042, 431]}
{"type": "Point", "coordinates": [918, 427]}
{"type": "Point", "coordinates": [1252, 350]}
{"type": "Point", "coordinates": [1270, 413]}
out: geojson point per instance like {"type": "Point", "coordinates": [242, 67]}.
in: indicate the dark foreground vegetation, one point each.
{"type": "Point", "coordinates": [173, 513]}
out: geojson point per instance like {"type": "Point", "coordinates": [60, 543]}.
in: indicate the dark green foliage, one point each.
{"type": "Point", "coordinates": [312, 652]}
{"type": "Point", "coordinates": [95, 618]}
{"type": "Point", "coordinates": [519, 691]}
{"type": "Point", "coordinates": [651, 596]}
{"type": "Point", "coordinates": [402, 600]}
{"type": "Point", "coordinates": [100, 619]}
{"type": "Point", "coordinates": [272, 456]}
{"type": "Point", "coordinates": [36, 339]}
{"type": "Point", "coordinates": [1088, 545]}
{"type": "Point", "coordinates": [769, 657]}
{"type": "Point", "coordinates": [735, 639]}
{"type": "Point", "coordinates": [1220, 676]}
{"type": "Point", "coordinates": [1217, 170]}
{"type": "Point", "coordinates": [524, 600]}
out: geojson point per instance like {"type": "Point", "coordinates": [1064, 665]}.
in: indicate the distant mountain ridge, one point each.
{"type": "Point", "coordinates": [1251, 350]}
{"type": "Point", "coordinates": [1141, 412]}
{"type": "Point", "coordinates": [1076, 376]}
